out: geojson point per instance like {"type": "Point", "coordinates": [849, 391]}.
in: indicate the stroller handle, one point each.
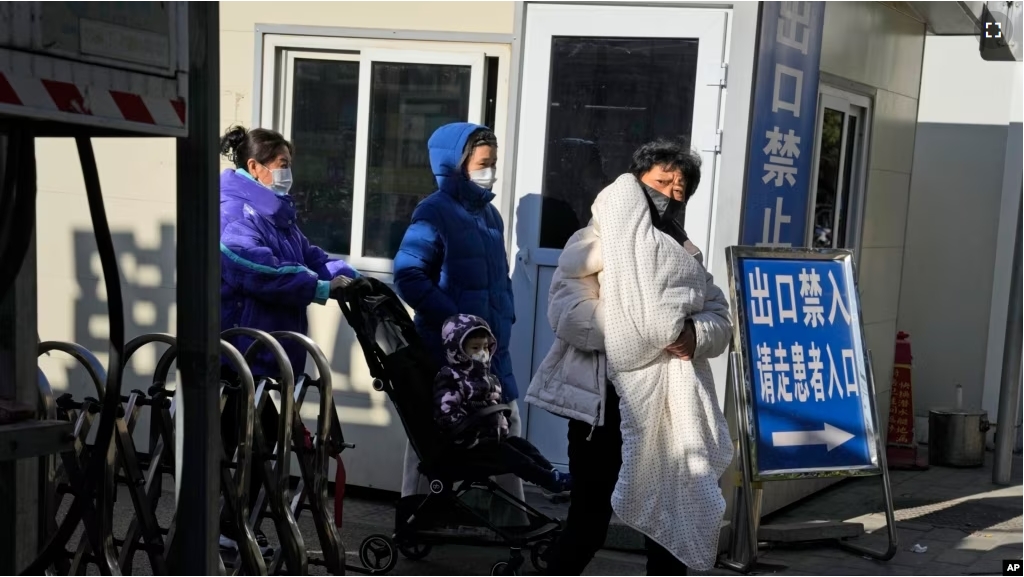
{"type": "Point", "coordinates": [485, 412]}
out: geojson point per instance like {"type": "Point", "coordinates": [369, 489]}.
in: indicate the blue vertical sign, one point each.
{"type": "Point", "coordinates": [782, 128]}
{"type": "Point", "coordinates": [810, 401]}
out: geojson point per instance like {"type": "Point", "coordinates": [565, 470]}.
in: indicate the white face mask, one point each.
{"type": "Point", "coordinates": [484, 178]}
{"type": "Point", "coordinates": [282, 180]}
{"type": "Point", "coordinates": [481, 356]}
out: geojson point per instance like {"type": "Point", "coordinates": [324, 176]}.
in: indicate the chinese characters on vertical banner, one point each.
{"type": "Point", "coordinates": [785, 110]}
{"type": "Point", "coordinates": [901, 413]}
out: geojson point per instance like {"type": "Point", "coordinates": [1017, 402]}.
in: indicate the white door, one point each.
{"type": "Point", "coordinates": [598, 81]}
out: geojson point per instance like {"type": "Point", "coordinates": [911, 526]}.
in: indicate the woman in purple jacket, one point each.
{"type": "Point", "coordinates": [270, 273]}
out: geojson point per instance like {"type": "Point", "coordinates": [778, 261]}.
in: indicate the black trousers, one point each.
{"type": "Point", "coordinates": [231, 431]}
{"type": "Point", "coordinates": [594, 465]}
{"type": "Point", "coordinates": [525, 461]}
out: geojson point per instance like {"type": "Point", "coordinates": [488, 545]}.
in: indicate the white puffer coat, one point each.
{"type": "Point", "coordinates": [571, 380]}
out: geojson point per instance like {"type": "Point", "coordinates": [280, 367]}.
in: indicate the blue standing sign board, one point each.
{"type": "Point", "coordinates": [807, 387]}
{"type": "Point", "coordinates": [785, 107]}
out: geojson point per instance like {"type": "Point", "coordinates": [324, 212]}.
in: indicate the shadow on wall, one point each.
{"type": "Point", "coordinates": [147, 287]}
{"type": "Point", "coordinates": [341, 362]}
{"type": "Point", "coordinates": [148, 290]}
{"type": "Point", "coordinates": [532, 336]}
{"type": "Point", "coordinates": [523, 283]}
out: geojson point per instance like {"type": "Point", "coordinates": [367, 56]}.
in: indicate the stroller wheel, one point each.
{"type": "Point", "coordinates": [502, 568]}
{"type": "Point", "coordinates": [377, 553]}
{"type": "Point", "coordinates": [539, 554]}
{"type": "Point", "coordinates": [414, 551]}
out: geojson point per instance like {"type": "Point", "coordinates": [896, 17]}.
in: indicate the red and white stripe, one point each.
{"type": "Point", "coordinates": [65, 97]}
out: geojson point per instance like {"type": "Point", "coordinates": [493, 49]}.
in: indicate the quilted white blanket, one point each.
{"type": "Point", "coordinates": [676, 443]}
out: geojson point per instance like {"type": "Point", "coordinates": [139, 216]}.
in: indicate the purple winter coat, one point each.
{"type": "Point", "coordinates": [270, 272]}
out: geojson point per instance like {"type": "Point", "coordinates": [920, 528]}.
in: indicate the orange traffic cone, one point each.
{"type": "Point", "coordinates": [901, 448]}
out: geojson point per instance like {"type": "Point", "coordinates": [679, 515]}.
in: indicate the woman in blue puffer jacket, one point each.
{"type": "Point", "coordinates": [270, 273]}
{"type": "Point", "coordinates": [453, 259]}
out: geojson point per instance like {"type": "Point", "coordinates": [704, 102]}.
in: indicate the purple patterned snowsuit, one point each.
{"type": "Point", "coordinates": [465, 386]}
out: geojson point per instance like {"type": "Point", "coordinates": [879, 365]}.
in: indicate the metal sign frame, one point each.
{"type": "Point", "coordinates": [746, 509]}
{"type": "Point", "coordinates": [734, 257]}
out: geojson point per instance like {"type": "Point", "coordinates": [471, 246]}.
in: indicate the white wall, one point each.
{"type": "Point", "coordinates": [959, 220]}
{"type": "Point", "coordinates": [138, 181]}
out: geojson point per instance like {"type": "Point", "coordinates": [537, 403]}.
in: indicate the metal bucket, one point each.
{"type": "Point", "coordinates": [956, 438]}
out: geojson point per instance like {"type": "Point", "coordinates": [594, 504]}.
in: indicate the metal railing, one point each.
{"type": "Point", "coordinates": [270, 434]}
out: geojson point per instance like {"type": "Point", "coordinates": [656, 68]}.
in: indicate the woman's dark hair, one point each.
{"type": "Point", "coordinates": [671, 153]}
{"type": "Point", "coordinates": [480, 137]}
{"type": "Point", "coordinates": [239, 145]}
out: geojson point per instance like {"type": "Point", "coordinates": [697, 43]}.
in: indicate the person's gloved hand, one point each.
{"type": "Point", "coordinates": [342, 284]}
{"type": "Point", "coordinates": [339, 283]}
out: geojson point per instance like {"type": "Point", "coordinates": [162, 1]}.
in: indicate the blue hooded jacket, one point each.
{"type": "Point", "coordinates": [270, 272]}
{"type": "Point", "coordinates": [453, 259]}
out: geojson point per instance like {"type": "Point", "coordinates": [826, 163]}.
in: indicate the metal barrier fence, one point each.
{"type": "Point", "coordinates": [81, 485]}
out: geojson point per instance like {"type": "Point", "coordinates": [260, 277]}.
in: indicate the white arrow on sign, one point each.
{"type": "Point", "coordinates": [830, 436]}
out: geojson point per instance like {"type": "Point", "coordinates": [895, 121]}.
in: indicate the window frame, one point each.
{"type": "Point", "coordinates": [283, 123]}
{"type": "Point", "coordinates": [280, 52]}
{"type": "Point", "coordinates": [850, 104]}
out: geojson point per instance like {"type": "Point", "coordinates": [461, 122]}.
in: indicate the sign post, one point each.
{"type": "Point", "coordinates": [802, 377]}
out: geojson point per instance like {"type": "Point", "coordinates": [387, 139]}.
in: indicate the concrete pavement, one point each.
{"type": "Point", "coordinates": [962, 524]}
{"type": "Point", "coordinates": [949, 522]}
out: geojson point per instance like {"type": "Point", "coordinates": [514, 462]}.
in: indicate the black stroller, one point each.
{"type": "Point", "coordinates": [402, 367]}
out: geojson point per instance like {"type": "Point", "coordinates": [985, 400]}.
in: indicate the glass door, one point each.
{"type": "Point", "coordinates": [597, 82]}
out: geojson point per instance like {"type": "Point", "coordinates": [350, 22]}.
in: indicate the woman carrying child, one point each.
{"type": "Point", "coordinates": [636, 317]}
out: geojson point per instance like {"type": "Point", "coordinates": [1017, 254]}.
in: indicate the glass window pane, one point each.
{"type": "Point", "coordinates": [407, 103]}
{"type": "Point", "coordinates": [828, 178]}
{"type": "Point", "coordinates": [325, 97]}
{"type": "Point", "coordinates": [607, 96]}
{"type": "Point", "coordinates": [848, 189]}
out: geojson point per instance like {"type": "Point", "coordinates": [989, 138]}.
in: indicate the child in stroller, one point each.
{"type": "Point", "coordinates": [465, 386]}
{"type": "Point", "coordinates": [403, 367]}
